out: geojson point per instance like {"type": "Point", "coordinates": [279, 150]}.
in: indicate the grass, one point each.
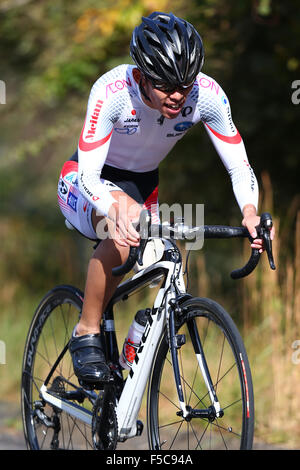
{"type": "Point", "coordinates": [14, 324]}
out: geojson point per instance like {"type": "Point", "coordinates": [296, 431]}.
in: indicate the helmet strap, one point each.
{"type": "Point", "coordinates": [142, 90]}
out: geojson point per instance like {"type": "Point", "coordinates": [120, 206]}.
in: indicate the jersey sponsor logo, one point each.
{"type": "Point", "coordinates": [72, 201]}
{"type": "Point", "coordinates": [126, 130]}
{"type": "Point", "coordinates": [232, 127]}
{"type": "Point", "coordinates": [132, 119]}
{"type": "Point", "coordinates": [88, 146]}
{"type": "Point", "coordinates": [180, 127]}
{"type": "Point", "coordinates": [224, 99]}
{"type": "Point", "coordinates": [206, 83]}
{"type": "Point", "coordinates": [118, 85]}
{"type": "Point", "coordinates": [130, 123]}
{"type": "Point", "coordinates": [186, 111]}
{"type": "Point", "coordinates": [251, 175]}
{"type": "Point", "coordinates": [94, 120]}
{"type": "Point", "coordinates": [88, 192]}
{"type": "Point", "coordinates": [71, 177]}
{"type": "Point", "coordinates": [62, 189]}
{"type": "Point", "coordinates": [183, 126]}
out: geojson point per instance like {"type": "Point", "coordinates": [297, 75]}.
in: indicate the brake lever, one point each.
{"type": "Point", "coordinates": [263, 231]}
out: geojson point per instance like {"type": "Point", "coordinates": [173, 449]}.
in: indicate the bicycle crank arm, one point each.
{"type": "Point", "coordinates": [72, 409]}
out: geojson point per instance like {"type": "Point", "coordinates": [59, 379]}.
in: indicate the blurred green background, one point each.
{"type": "Point", "coordinates": [51, 52]}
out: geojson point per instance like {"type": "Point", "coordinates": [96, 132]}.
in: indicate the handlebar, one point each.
{"type": "Point", "coordinates": [209, 232]}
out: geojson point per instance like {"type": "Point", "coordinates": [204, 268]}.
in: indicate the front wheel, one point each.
{"type": "Point", "coordinates": [46, 355]}
{"type": "Point", "coordinates": [229, 370]}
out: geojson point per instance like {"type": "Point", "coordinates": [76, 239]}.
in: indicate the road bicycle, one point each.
{"type": "Point", "coordinates": [200, 393]}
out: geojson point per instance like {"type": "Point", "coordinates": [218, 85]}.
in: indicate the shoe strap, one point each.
{"type": "Point", "coordinates": [86, 341]}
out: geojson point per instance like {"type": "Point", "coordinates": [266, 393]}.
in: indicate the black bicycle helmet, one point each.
{"type": "Point", "coordinates": [167, 49]}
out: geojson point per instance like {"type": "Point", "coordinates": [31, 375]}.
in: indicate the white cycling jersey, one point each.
{"type": "Point", "coordinates": [120, 130]}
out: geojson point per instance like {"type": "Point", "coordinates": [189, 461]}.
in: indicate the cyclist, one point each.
{"type": "Point", "coordinates": [135, 115]}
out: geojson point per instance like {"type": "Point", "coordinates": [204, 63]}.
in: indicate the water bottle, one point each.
{"type": "Point", "coordinates": [133, 339]}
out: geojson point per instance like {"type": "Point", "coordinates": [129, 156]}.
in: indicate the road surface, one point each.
{"type": "Point", "coordinates": [12, 438]}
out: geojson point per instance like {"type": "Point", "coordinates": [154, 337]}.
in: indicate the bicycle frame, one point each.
{"type": "Point", "coordinates": [162, 316]}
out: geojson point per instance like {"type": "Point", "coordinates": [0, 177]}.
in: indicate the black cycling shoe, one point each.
{"type": "Point", "coordinates": [88, 359]}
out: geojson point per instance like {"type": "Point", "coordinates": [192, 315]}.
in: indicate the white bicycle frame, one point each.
{"type": "Point", "coordinates": [129, 404]}
{"type": "Point", "coordinates": [130, 401]}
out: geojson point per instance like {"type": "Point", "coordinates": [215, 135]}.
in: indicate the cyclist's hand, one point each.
{"type": "Point", "coordinates": [120, 225]}
{"type": "Point", "coordinates": [250, 221]}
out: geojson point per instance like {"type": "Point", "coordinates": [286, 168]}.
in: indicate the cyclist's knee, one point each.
{"type": "Point", "coordinates": [109, 249]}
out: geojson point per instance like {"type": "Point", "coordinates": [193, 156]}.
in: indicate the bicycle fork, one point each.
{"type": "Point", "coordinates": [176, 341]}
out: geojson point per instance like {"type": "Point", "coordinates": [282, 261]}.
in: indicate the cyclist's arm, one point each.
{"type": "Point", "coordinates": [92, 151]}
{"type": "Point", "coordinates": [93, 148]}
{"type": "Point", "coordinates": [230, 147]}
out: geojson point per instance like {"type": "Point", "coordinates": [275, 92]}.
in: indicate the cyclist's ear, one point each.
{"type": "Point", "coordinates": [137, 75]}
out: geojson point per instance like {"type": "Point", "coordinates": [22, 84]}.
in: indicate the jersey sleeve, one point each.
{"type": "Point", "coordinates": [93, 147]}
{"type": "Point", "coordinates": [217, 120]}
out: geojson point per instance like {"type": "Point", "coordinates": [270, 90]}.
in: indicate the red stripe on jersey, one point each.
{"type": "Point", "coordinates": [236, 139]}
{"type": "Point", "coordinates": [87, 146]}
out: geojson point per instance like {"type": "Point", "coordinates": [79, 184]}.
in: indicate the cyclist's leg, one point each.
{"type": "Point", "coordinates": [100, 283]}
{"type": "Point", "coordinates": [85, 346]}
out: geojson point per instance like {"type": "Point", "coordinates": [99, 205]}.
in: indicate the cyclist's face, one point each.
{"type": "Point", "coordinates": [167, 101]}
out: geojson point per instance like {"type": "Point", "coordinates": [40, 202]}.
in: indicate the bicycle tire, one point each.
{"type": "Point", "coordinates": [44, 426]}
{"type": "Point", "coordinates": [230, 375]}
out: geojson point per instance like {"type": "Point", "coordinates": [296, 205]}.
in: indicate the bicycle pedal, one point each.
{"type": "Point", "coordinates": [95, 385]}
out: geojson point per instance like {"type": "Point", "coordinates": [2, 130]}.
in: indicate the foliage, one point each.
{"type": "Point", "coordinates": [51, 53]}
